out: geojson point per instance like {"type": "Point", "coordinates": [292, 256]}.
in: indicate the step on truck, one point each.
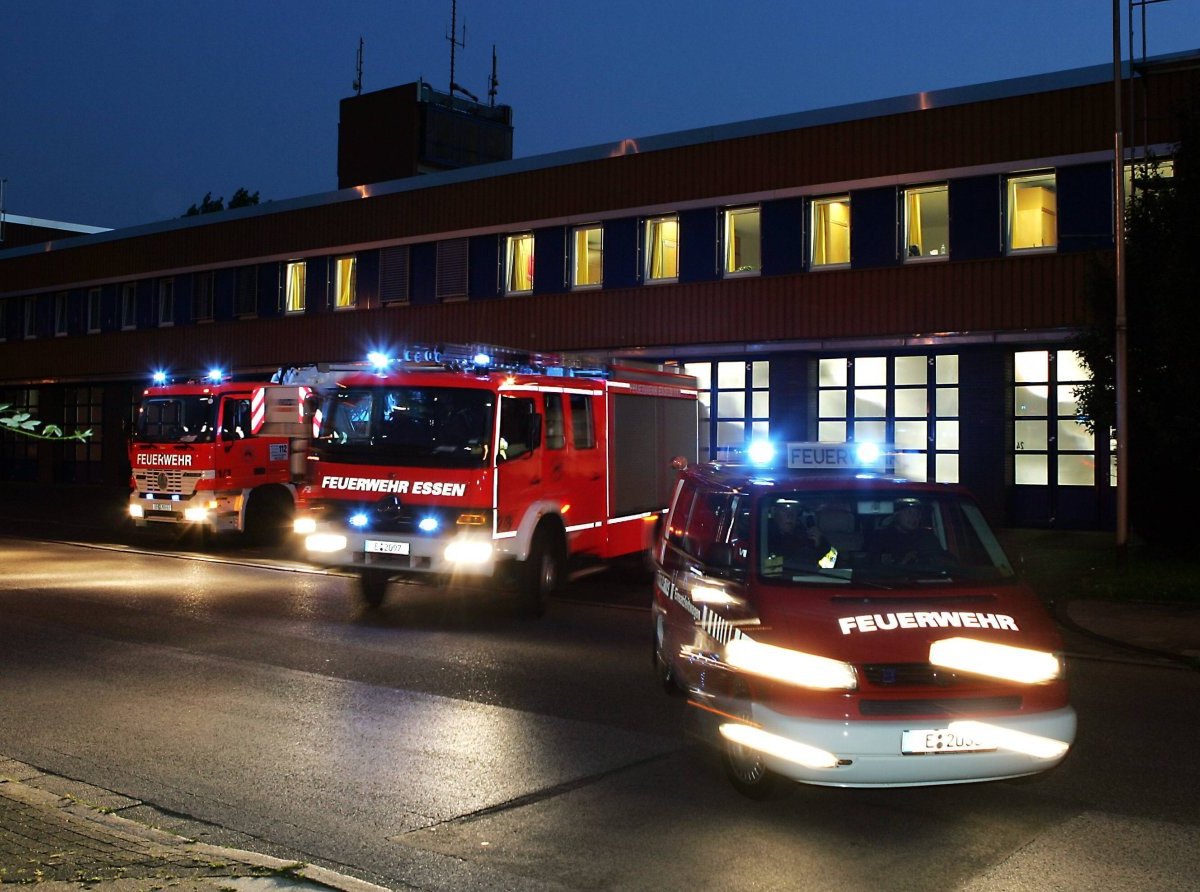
{"type": "Point", "coordinates": [466, 465]}
{"type": "Point", "coordinates": [219, 456]}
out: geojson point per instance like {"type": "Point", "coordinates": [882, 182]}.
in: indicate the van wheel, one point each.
{"type": "Point", "coordinates": [745, 767]}
{"type": "Point", "coordinates": [372, 586]}
{"type": "Point", "coordinates": [542, 569]}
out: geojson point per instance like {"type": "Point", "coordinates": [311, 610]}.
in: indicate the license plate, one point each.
{"type": "Point", "coordinates": [940, 740]}
{"type": "Point", "coordinates": [376, 546]}
{"type": "Point", "coordinates": [160, 506]}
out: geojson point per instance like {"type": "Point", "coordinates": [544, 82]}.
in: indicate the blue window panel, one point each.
{"type": "Point", "coordinates": [782, 236]}
{"type": "Point", "coordinates": [698, 245]}
{"type": "Point", "coordinates": [622, 254]}
{"type": "Point", "coordinates": [1085, 207]}
{"type": "Point", "coordinates": [268, 287]}
{"type": "Point", "coordinates": [549, 260]}
{"type": "Point", "coordinates": [366, 279]}
{"type": "Point", "coordinates": [483, 256]}
{"type": "Point", "coordinates": [873, 239]}
{"type": "Point", "coordinates": [422, 261]}
{"type": "Point", "coordinates": [975, 220]}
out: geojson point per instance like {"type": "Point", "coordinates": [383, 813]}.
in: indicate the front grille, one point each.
{"type": "Point", "coordinates": [945, 706]}
{"type": "Point", "coordinates": [887, 675]}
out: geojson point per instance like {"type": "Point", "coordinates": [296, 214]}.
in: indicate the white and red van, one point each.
{"type": "Point", "coordinates": [853, 630]}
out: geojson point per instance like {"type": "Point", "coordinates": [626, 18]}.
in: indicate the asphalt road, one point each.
{"type": "Point", "coordinates": [447, 742]}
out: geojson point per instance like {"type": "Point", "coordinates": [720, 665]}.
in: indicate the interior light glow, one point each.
{"type": "Point", "coordinates": [780, 747]}
{"type": "Point", "coordinates": [1006, 738]}
{"type": "Point", "coordinates": [325, 542]}
{"type": "Point", "coordinates": [468, 551]}
{"type": "Point", "coordinates": [1019, 664]}
{"type": "Point", "coordinates": [792, 666]}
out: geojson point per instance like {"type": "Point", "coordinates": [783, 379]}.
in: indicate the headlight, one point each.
{"type": "Point", "coordinates": [195, 515]}
{"type": "Point", "coordinates": [304, 525]}
{"type": "Point", "coordinates": [791, 666]}
{"type": "Point", "coordinates": [136, 511]}
{"type": "Point", "coordinates": [1020, 664]}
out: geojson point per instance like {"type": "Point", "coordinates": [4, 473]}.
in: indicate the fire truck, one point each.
{"type": "Point", "coordinates": [218, 455]}
{"type": "Point", "coordinates": [464, 464]}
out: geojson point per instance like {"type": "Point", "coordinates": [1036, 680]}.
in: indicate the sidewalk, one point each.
{"type": "Point", "coordinates": [65, 841]}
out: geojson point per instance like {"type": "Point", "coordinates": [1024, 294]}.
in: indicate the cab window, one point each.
{"type": "Point", "coordinates": [519, 431]}
{"type": "Point", "coordinates": [235, 419]}
{"type": "Point", "coordinates": [583, 429]}
{"type": "Point", "coordinates": [555, 436]}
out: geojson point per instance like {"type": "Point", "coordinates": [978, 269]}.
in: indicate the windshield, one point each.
{"type": "Point", "coordinates": [177, 419]}
{"type": "Point", "coordinates": [896, 539]}
{"type": "Point", "coordinates": [430, 427]}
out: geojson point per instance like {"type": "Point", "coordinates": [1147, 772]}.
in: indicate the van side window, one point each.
{"type": "Point", "coordinates": [555, 435]}
{"type": "Point", "coordinates": [583, 430]}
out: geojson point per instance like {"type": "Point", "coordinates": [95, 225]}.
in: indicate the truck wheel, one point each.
{"type": "Point", "coordinates": [745, 767]}
{"type": "Point", "coordinates": [542, 569]}
{"type": "Point", "coordinates": [268, 518]}
{"type": "Point", "coordinates": [372, 586]}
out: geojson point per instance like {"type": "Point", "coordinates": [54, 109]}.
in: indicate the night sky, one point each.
{"type": "Point", "coordinates": [121, 112]}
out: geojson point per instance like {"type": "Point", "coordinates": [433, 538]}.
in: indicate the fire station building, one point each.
{"type": "Point", "coordinates": [909, 270]}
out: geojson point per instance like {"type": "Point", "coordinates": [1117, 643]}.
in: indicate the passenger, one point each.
{"type": "Point", "coordinates": [798, 542]}
{"type": "Point", "coordinates": [905, 539]}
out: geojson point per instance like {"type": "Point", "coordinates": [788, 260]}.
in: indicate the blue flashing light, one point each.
{"type": "Point", "coordinates": [159, 377]}
{"type": "Point", "coordinates": [761, 452]}
{"type": "Point", "coordinates": [482, 360]}
{"type": "Point", "coordinates": [358, 520]}
{"type": "Point", "coordinates": [868, 453]}
{"type": "Point", "coordinates": [428, 524]}
{"type": "Point", "coordinates": [379, 360]}
{"type": "Point", "coordinates": [215, 375]}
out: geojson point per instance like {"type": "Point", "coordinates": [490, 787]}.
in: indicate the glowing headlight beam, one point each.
{"type": "Point", "coordinates": [325, 542]}
{"type": "Point", "coordinates": [780, 747]}
{"type": "Point", "coordinates": [468, 551]}
{"type": "Point", "coordinates": [1019, 664]}
{"type": "Point", "coordinates": [1018, 741]}
{"type": "Point", "coordinates": [792, 666]}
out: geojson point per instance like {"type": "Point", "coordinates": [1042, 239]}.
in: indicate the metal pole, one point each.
{"type": "Point", "coordinates": [1121, 356]}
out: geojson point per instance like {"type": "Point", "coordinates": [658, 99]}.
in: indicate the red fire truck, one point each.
{"type": "Point", "coordinates": [221, 456]}
{"type": "Point", "coordinates": [460, 465]}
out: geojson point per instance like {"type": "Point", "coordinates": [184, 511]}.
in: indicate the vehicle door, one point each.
{"type": "Point", "coordinates": [520, 459]}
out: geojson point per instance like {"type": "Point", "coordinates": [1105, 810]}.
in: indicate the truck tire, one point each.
{"type": "Point", "coordinates": [372, 586]}
{"type": "Point", "coordinates": [268, 517]}
{"type": "Point", "coordinates": [542, 570]}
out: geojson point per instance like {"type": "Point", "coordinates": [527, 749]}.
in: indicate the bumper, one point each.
{"type": "Point", "coordinates": [868, 753]}
{"type": "Point", "coordinates": [401, 555]}
{"type": "Point", "coordinates": [219, 511]}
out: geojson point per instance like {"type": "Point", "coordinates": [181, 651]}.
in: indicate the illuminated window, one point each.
{"type": "Point", "coordinates": [294, 282]}
{"type": "Point", "coordinates": [927, 223]}
{"type": "Point", "coordinates": [587, 256]}
{"type": "Point", "coordinates": [1051, 444]}
{"type": "Point", "coordinates": [345, 284]}
{"type": "Point", "coordinates": [518, 263]}
{"type": "Point", "coordinates": [1032, 212]}
{"type": "Point", "coordinates": [166, 302]}
{"type": "Point", "coordinates": [743, 241]}
{"type": "Point", "coordinates": [93, 309]}
{"type": "Point", "coordinates": [735, 405]}
{"type": "Point", "coordinates": [831, 231]}
{"type": "Point", "coordinates": [662, 249]}
{"type": "Point", "coordinates": [204, 296]}
{"type": "Point", "coordinates": [908, 402]}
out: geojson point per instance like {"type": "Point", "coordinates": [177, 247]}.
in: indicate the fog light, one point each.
{"type": "Point", "coordinates": [325, 542]}
{"type": "Point", "coordinates": [469, 551]}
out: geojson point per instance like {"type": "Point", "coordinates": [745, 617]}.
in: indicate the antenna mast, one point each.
{"type": "Point", "coordinates": [357, 85]}
{"type": "Point", "coordinates": [493, 81]}
{"type": "Point", "coordinates": [454, 44]}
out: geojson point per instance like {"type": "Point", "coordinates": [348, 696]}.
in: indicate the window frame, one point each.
{"type": "Point", "coordinates": [29, 319]}
{"type": "Point", "coordinates": [62, 314]}
{"type": "Point", "coordinates": [655, 249]}
{"type": "Point", "coordinates": [909, 240]}
{"type": "Point", "coordinates": [204, 296]}
{"type": "Point", "coordinates": [731, 240]}
{"type": "Point", "coordinates": [1011, 183]}
{"type": "Point", "coordinates": [94, 321]}
{"type": "Point", "coordinates": [345, 288]}
{"type": "Point", "coordinates": [815, 207]}
{"type": "Point", "coordinates": [295, 287]}
{"type": "Point", "coordinates": [517, 281]}
{"type": "Point", "coordinates": [582, 232]}
{"type": "Point", "coordinates": [128, 306]}
{"type": "Point", "coordinates": [166, 302]}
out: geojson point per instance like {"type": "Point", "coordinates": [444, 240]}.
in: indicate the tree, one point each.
{"type": "Point", "coordinates": [209, 205]}
{"type": "Point", "coordinates": [21, 422]}
{"type": "Point", "coordinates": [1162, 232]}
